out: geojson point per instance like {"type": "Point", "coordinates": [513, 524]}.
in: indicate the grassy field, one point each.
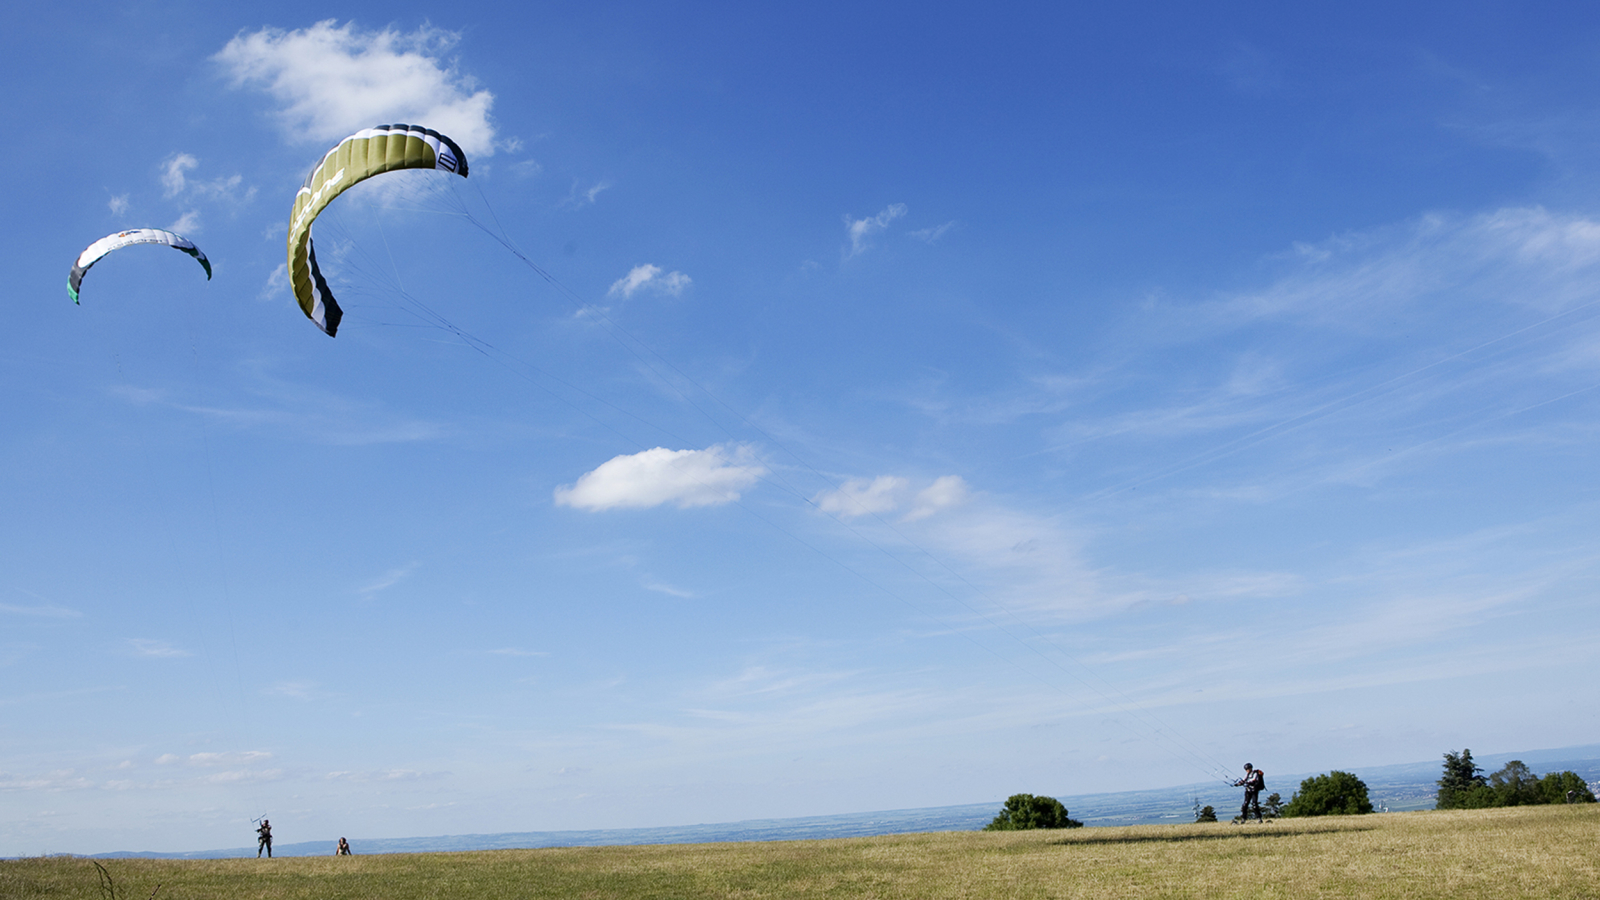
{"type": "Point", "coordinates": [1545, 852]}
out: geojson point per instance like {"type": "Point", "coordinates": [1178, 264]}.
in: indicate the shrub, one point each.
{"type": "Point", "coordinates": [1025, 811]}
{"type": "Point", "coordinates": [1333, 794]}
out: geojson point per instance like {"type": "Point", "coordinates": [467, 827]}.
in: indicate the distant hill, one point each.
{"type": "Point", "coordinates": [1406, 786]}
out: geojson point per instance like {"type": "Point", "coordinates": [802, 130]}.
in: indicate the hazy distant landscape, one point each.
{"type": "Point", "coordinates": [1395, 788]}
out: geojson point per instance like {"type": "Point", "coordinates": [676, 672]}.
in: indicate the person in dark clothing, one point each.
{"type": "Point", "coordinates": [264, 839]}
{"type": "Point", "coordinates": [343, 849]}
{"type": "Point", "coordinates": [1253, 782]}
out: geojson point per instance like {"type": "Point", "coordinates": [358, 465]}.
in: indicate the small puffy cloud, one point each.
{"type": "Point", "coordinates": [860, 497]}
{"type": "Point", "coordinates": [944, 493]}
{"type": "Point", "coordinates": [648, 277]}
{"type": "Point", "coordinates": [118, 204]}
{"type": "Point", "coordinates": [888, 493]}
{"type": "Point", "coordinates": [277, 283]}
{"type": "Point", "coordinates": [687, 478]}
{"type": "Point", "coordinates": [188, 223]}
{"type": "Point", "coordinates": [861, 230]}
{"type": "Point", "coordinates": [173, 180]}
{"type": "Point", "coordinates": [333, 80]}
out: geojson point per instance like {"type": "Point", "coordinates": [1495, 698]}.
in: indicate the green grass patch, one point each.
{"type": "Point", "coordinates": [1543, 851]}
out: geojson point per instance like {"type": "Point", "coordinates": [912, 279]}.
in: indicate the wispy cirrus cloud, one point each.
{"type": "Point", "coordinates": [175, 182]}
{"type": "Point", "coordinates": [580, 196]}
{"type": "Point", "coordinates": [152, 649]}
{"type": "Point", "coordinates": [684, 478]}
{"type": "Point", "coordinates": [47, 611]}
{"type": "Point", "coordinates": [388, 580]}
{"type": "Point", "coordinates": [300, 412]}
{"type": "Point", "coordinates": [861, 231]}
{"type": "Point", "coordinates": [333, 80]}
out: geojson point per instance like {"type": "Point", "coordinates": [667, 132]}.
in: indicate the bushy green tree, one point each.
{"type": "Point", "coordinates": [1272, 807]}
{"type": "Point", "coordinates": [1208, 814]}
{"type": "Point", "coordinates": [1334, 794]}
{"type": "Point", "coordinates": [1025, 811]}
{"type": "Point", "coordinates": [1462, 785]}
{"type": "Point", "coordinates": [1554, 787]}
{"type": "Point", "coordinates": [1515, 785]}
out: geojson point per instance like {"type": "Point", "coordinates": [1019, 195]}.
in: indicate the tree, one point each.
{"type": "Point", "coordinates": [1333, 794]}
{"type": "Point", "coordinates": [1555, 787]}
{"type": "Point", "coordinates": [1025, 811]}
{"type": "Point", "coordinates": [1208, 814]}
{"type": "Point", "coordinates": [1273, 807]}
{"type": "Point", "coordinates": [1515, 785]}
{"type": "Point", "coordinates": [1462, 785]}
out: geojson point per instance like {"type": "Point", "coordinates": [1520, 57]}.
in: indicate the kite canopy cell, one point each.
{"type": "Point", "coordinates": [358, 157]}
{"type": "Point", "coordinates": [110, 242]}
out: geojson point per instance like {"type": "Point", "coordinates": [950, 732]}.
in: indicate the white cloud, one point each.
{"type": "Point", "coordinates": [944, 493]}
{"type": "Point", "coordinates": [49, 611]}
{"type": "Point", "coordinates": [299, 690]}
{"type": "Point", "coordinates": [860, 497]}
{"type": "Point", "coordinates": [173, 180]}
{"type": "Point", "coordinates": [389, 579]}
{"type": "Point", "coordinates": [579, 198]}
{"type": "Point", "coordinates": [888, 493]}
{"type": "Point", "coordinates": [687, 478]}
{"type": "Point", "coordinates": [331, 81]}
{"type": "Point", "coordinates": [188, 223]}
{"type": "Point", "coordinates": [277, 283]}
{"type": "Point", "coordinates": [860, 230]}
{"type": "Point", "coordinates": [212, 760]}
{"type": "Point", "coordinates": [155, 649]}
{"type": "Point", "coordinates": [176, 182]}
{"type": "Point", "coordinates": [649, 277]}
{"type": "Point", "coordinates": [118, 204]}
{"type": "Point", "coordinates": [930, 235]}
{"type": "Point", "coordinates": [1525, 256]}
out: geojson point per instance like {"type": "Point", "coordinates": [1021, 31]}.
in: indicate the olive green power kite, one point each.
{"type": "Point", "coordinates": [358, 157]}
{"type": "Point", "coordinates": [92, 253]}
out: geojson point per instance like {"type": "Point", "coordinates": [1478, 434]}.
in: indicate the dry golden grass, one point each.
{"type": "Point", "coordinates": [1543, 852]}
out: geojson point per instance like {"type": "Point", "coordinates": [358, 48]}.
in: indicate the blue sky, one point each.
{"type": "Point", "coordinates": [923, 405]}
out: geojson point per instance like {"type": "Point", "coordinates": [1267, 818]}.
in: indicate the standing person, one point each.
{"type": "Point", "coordinates": [264, 839]}
{"type": "Point", "coordinates": [1253, 782]}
